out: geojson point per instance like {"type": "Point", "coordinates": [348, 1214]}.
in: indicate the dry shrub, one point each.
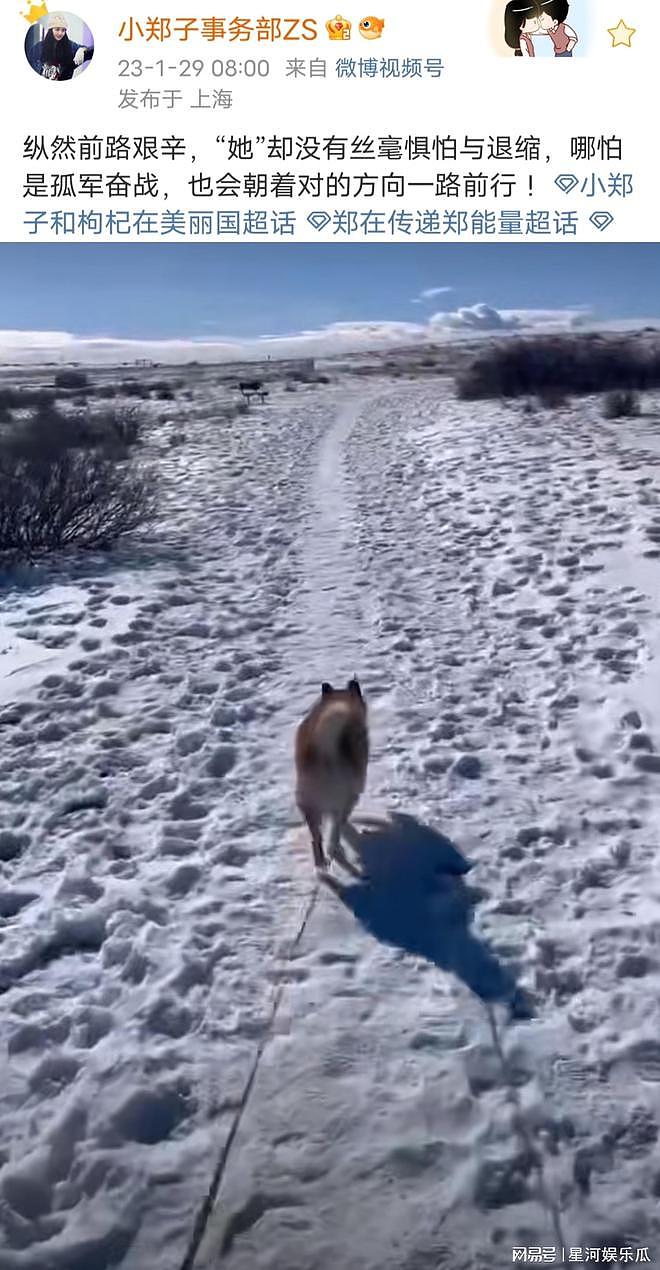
{"type": "Point", "coordinates": [621, 404]}
{"type": "Point", "coordinates": [567, 365]}
{"type": "Point", "coordinates": [65, 480]}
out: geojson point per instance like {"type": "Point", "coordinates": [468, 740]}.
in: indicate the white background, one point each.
{"type": "Point", "coordinates": [606, 91]}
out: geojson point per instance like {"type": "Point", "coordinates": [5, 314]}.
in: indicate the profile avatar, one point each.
{"type": "Point", "coordinates": [371, 28]}
{"type": "Point", "coordinates": [338, 28]}
{"type": "Point", "coordinates": [524, 19]}
{"type": "Point", "coordinates": [51, 51]}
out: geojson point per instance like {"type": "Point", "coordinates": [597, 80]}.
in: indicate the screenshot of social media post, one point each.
{"type": "Point", "coordinates": [329, 636]}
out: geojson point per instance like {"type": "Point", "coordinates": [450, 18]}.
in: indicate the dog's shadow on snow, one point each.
{"type": "Point", "coordinates": [410, 892]}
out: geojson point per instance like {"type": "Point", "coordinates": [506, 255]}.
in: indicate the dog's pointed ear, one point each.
{"type": "Point", "coordinates": [325, 688]}
{"type": "Point", "coordinates": [353, 686]}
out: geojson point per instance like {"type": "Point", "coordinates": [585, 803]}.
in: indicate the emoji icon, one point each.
{"type": "Point", "coordinates": [371, 28]}
{"type": "Point", "coordinates": [338, 28]}
{"type": "Point", "coordinates": [621, 34]}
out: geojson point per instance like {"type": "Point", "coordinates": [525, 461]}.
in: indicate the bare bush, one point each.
{"type": "Point", "coordinates": [133, 388]}
{"type": "Point", "coordinates": [71, 379]}
{"type": "Point", "coordinates": [620, 404]}
{"type": "Point", "coordinates": [569, 365]}
{"type": "Point", "coordinates": [120, 423]}
{"type": "Point", "coordinates": [81, 498]}
{"type": "Point", "coordinates": [49, 432]}
{"type": "Point", "coordinates": [46, 433]}
{"type": "Point", "coordinates": [25, 398]}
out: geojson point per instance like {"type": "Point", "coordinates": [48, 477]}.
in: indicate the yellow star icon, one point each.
{"type": "Point", "coordinates": [621, 34]}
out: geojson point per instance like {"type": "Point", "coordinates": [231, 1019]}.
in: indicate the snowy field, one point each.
{"type": "Point", "coordinates": [412, 1071]}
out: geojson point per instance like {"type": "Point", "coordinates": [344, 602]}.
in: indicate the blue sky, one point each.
{"type": "Point", "coordinates": [246, 290]}
{"type": "Point", "coordinates": [109, 304]}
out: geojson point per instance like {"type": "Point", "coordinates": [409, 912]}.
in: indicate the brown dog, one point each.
{"type": "Point", "coordinates": [332, 753]}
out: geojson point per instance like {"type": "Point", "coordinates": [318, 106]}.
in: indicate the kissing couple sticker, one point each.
{"type": "Point", "coordinates": [526, 19]}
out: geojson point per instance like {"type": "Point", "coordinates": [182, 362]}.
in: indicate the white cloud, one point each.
{"type": "Point", "coordinates": [477, 321]}
{"type": "Point", "coordinates": [479, 317]}
{"type": "Point", "coordinates": [484, 318]}
{"type": "Point", "coordinates": [340, 337]}
{"type": "Point", "coordinates": [23, 339]}
{"type": "Point", "coordinates": [430, 293]}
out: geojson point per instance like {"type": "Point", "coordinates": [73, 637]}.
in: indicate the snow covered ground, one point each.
{"type": "Point", "coordinates": [417, 1070]}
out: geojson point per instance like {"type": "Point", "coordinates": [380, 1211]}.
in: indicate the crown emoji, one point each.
{"type": "Point", "coordinates": [338, 28]}
{"type": "Point", "coordinates": [35, 13]}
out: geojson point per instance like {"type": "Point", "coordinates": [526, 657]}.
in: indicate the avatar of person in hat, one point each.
{"type": "Point", "coordinates": [56, 56]}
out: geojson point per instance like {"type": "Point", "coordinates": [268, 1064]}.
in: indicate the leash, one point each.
{"type": "Point", "coordinates": [204, 1213]}
{"type": "Point", "coordinates": [526, 1138]}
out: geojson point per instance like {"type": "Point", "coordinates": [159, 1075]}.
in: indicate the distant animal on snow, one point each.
{"type": "Point", "coordinates": [331, 759]}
